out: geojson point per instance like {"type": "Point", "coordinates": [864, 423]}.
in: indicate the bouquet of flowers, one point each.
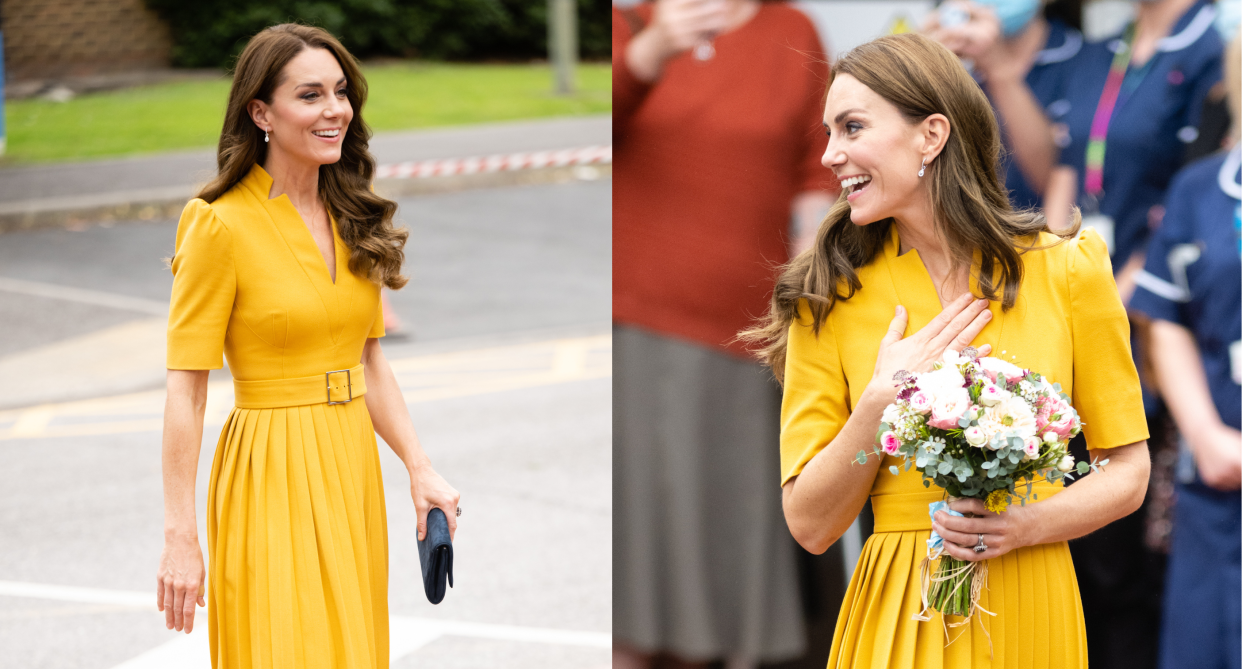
{"type": "Point", "coordinates": [982, 428]}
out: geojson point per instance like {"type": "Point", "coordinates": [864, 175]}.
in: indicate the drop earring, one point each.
{"type": "Point", "coordinates": [265, 139]}
{"type": "Point", "coordinates": [923, 167]}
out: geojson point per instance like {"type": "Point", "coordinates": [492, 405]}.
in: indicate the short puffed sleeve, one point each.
{"type": "Point", "coordinates": [204, 286]}
{"type": "Point", "coordinates": [816, 400]}
{"type": "Point", "coordinates": [1106, 385]}
{"type": "Point", "coordinates": [377, 326]}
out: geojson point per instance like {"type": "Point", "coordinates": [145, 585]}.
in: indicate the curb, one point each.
{"type": "Point", "coordinates": [393, 181]}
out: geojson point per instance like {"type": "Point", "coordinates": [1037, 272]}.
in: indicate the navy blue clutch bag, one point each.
{"type": "Point", "coordinates": [435, 552]}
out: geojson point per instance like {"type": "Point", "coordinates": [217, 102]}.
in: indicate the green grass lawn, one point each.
{"type": "Point", "coordinates": [188, 114]}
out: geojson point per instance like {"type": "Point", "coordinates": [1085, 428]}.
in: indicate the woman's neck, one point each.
{"type": "Point", "coordinates": [295, 179]}
{"type": "Point", "coordinates": [1153, 21]}
{"type": "Point", "coordinates": [917, 231]}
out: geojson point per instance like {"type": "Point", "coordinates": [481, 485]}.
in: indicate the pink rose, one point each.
{"type": "Point", "coordinates": [1062, 427]}
{"type": "Point", "coordinates": [1030, 446]}
{"type": "Point", "coordinates": [890, 443]}
{"type": "Point", "coordinates": [991, 394]}
{"type": "Point", "coordinates": [921, 401]}
{"type": "Point", "coordinates": [947, 410]}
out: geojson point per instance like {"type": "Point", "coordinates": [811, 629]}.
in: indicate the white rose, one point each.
{"type": "Point", "coordinates": [941, 382]}
{"type": "Point", "coordinates": [891, 413]}
{"type": "Point", "coordinates": [1051, 437]}
{"type": "Point", "coordinates": [1021, 418]}
{"type": "Point", "coordinates": [998, 366]}
{"type": "Point", "coordinates": [1066, 463]}
{"type": "Point", "coordinates": [976, 437]}
{"type": "Point", "coordinates": [952, 357]}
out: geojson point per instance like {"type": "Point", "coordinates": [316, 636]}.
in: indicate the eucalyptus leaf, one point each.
{"type": "Point", "coordinates": [861, 457]}
{"type": "Point", "coordinates": [893, 469]}
{"type": "Point", "coordinates": [1083, 467]}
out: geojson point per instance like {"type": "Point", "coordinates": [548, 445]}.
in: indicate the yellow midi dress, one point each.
{"type": "Point", "coordinates": [296, 532]}
{"type": "Point", "coordinates": [1068, 324]}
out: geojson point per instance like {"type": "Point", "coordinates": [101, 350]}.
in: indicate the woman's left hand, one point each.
{"type": "Point", "coordinates": [430, 490]}
{"type": "Point", "coordinates": [1002, 532]}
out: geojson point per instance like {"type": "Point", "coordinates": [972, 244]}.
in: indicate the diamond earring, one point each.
{"type": "Point", "coordinates": [923, 167]}
{"type": "Point", "coordinates": [265, 139]}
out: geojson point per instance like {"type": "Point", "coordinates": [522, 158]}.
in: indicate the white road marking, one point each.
{"type": "Point", "coordinates": [408, 634]}
{"type": "Point", "coordinates": [83, 295]}
{"type": "Point", "coordinates": [33, 421]}
{"type": "Point", "coordinates": [68, 593]}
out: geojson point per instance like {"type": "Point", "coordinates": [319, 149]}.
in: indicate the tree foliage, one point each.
{"type": "Point", "coordinates": [211, 33]}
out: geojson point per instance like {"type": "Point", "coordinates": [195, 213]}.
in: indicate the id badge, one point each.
{"type": "Point", "coordinates": [1103, 225]}
{"type": "Point", "coordinates": [1235, 361]}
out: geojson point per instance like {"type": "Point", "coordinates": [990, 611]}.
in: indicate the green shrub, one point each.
{"type": "Point", "coordinates": [210, 33]}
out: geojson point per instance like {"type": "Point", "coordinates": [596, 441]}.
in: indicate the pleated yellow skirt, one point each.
{"type": "Point", "coordinates": [1033, 592]}
{"type": "Point", "coordinates": [298, 543]}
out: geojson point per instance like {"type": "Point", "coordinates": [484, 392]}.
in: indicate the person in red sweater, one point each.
{"type": "Point", "coordinates": [717, 141]}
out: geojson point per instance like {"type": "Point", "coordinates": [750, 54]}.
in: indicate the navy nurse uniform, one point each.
{"type": "Point", "coordinates": [1047, 83]}
{"type": "Point", "coordinates": [1155, 117]}
{"type": "Point", "coordinates": [1193, 277]}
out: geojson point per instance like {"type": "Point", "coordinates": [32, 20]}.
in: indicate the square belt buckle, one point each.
{"type": "Point", "coordinates": [349, 384]}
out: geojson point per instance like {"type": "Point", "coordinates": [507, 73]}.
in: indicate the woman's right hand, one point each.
{"type": "Point", "coordinates": [1218, 456]}
{"type": "Point", "coordinates": [955, 328]}
{"type": "Point", "coordinates": [676, 25]}
{"type": "Point", "coordinates": [180, 582]}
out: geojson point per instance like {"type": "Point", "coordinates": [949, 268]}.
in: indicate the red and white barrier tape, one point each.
{"type": "Point", "coordinates": [599, 155]}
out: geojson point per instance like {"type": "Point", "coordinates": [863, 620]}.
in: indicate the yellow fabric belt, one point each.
{"type": "Point", "coordinates": [907, 512]}
{"type": "Point", "coordinates": [338, 386]}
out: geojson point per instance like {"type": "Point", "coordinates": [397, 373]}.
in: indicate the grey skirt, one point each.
{"type": "Point", "coordinates": [703, 563]}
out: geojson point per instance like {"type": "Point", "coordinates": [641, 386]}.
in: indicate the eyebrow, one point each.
{"type": "Point", "coordinates": [316, 84]}
{"type": "Point", "coordinates": [843, 114]}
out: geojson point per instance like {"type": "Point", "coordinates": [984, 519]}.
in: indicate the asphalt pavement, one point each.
{"type": "Point", "coordinates": [506, 371]}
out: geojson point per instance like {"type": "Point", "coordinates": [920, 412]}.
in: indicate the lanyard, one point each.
{"type": "Point", "coordinates": [1104, 114]}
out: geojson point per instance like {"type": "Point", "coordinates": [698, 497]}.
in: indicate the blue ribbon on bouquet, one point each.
{"type": "Point", "coordinates": [936, 543]}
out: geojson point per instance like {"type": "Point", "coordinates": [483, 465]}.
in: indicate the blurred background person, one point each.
{"type": "Point", "coordinates": [1131, 106]}
{"type": "Point", "coordinates": [1020, 52]}
{"type": "Point", "coordinates": [1190, 289]}
{"type": "Point", "coordinates": [716, 116]}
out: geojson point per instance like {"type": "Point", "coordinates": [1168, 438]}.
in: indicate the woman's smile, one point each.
{"type": "Point", "coordinates": [855, 185]}
{"type": "Point", "coordinates": [329, 135]}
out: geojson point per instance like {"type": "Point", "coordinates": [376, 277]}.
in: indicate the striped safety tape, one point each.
{"type": "Point", "coordinates": [499, 163]}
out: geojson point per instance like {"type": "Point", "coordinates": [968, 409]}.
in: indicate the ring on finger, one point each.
{"type": "Point", "coordinates": [980, 547]}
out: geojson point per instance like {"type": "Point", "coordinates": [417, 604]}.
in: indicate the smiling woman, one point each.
{"type": "Point", "coordinates": [278, 266]}
{"type": "Point", "coordinates": [925, 256]}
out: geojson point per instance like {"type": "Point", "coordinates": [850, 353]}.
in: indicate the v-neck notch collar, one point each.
{"type": "Point", "coordinates": [284, 214]}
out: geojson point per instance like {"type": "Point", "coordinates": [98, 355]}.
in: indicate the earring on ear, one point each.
{"type": "Point", "coordinates": [923, 167]}
{"type": "Point", "coordinates": [265, 139]}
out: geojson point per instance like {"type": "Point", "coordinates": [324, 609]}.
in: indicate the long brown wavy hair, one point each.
{"type": "Point", "coordinates": [972, 212]}
{"type": "Point", "coordinates": [363, 218]}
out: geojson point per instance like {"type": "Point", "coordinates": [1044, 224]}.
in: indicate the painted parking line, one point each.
{"type": "Point", "coordinates": [422, 378]}
{"type": "Point", "coordinates": [85, 296]}
{"type": "Point", "coordinates": [407, 633]}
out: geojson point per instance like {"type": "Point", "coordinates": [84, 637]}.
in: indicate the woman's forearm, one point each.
{"type": "Point", "coordinates": [386, 405]}
{"type": "Point", "coordinates": [822, 501]}
{"type": "Point", "coordinates": [1094, 501]}
{"type": "Point", "coordinates": [183, 437]}
{"type": "Point", "coordinates": [809, 209]}
{"type": "Point", "coordinates": [1028, 130]}
{"type": "Point", "coordinates": [1183, 385]}
{"type": "Point", "coordinates": [1059, 197]}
